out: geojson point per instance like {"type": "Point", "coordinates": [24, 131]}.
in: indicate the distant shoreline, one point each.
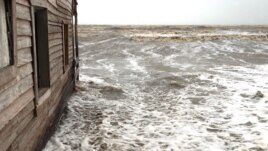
{"type": "Point", "coordinates": [176, 26]}
{"type": "Point", "coordinates": [183, 33]}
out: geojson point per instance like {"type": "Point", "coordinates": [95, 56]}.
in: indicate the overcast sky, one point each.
{"type": "Point", "coordinates": [179, 12]}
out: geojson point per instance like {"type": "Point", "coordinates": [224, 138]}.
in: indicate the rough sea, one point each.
{"type": "Point", "coordinates": [201, 95]}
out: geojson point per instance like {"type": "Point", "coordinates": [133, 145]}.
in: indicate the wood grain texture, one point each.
{"type": "Point", "coordinates": [23, 122]}
{"type": "Point", "coordinates": [24, 28]}
{"type": "Point", "coordinates": [24, 2]}
{"type": "Point", "coordinates": [24, 56]}
{"type": "Point", "coordinates": [16, 125]}
{"type": "Point", "coordinates": [10, 94]}
{"type": "Point", "coordinates": [24, 42]}
{"type": "Point", "coordinates": [23, 12]}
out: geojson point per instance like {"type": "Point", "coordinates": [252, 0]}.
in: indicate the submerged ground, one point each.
{"type": "Point", "coordinates": [160, 93]}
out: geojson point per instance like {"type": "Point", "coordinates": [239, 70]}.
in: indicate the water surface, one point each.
{"type": "Point", "coordinates": [153, 95]}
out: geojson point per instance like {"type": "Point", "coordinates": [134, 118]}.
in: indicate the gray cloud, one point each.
{"type": "Point", "coordinates": [173, 12]}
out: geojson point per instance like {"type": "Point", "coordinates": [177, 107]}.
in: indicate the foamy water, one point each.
{"type": "Point", "coordinates": [189, 96]}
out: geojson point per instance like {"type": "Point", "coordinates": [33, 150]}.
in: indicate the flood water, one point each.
{"type": "Point", "coordinates": [170, 96]}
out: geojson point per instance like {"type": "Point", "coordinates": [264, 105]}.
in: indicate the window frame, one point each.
{"type": "Point", "coordinates": [9, 72]}
{"type": "Point", "coordinates": [40, 90]}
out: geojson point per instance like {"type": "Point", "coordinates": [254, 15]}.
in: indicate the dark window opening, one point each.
{"type": "Point", "coordinates": [66, 44]}
{"type": "Point", "coordinates": [42, 53]}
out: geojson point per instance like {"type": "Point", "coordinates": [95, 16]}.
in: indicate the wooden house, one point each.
{"type": "Point", "coordinates": [38, 69]}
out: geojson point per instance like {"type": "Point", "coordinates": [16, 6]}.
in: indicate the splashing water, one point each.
{"type": "Point", "coordinates": [196, 96]}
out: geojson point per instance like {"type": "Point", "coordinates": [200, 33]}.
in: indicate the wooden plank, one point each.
{"type": "Point", "coordinates": [24, 56]}
{"type": "Point", "coordinates": [56, 73]}
{"type": "Point", "coordinates": [54, 29]}
{"type": "Point", "coordinates": [32, 133]}
{"type": "Point", "coordinates": [54, 36]}
{"type": "Point", "coordinates": [66, 11]}
{"type": "Point", "coordinates": [8, 85]}
{"type": "Point", "coordinates": [23, 124]}
{"type": "Point", "coordinates": [11, 111]}
{"type": "Point", "coordinates": [24, 42]}
{"type": "Point", "coordinates": [54, 23]}
{"type": "Point", "coordinates": [24, 85]}
{"type": "Point", "coordinates": [40, 3]}
{"type": "Point", "coordinates": [57, 88]}
{"type": "Point", "coordinates": [25, 70]}
{"type": "Point", "coordinates": [58, 13]}
{"type": "Point", "coordinates": [54, 18]}
{"type": "Point", "coordinates": [16, 126]}
{"type": "Point", "coordinates": [56, 62]}
{"type": "Point", "coordinates": [60, 9]}
{"type": "Point", "coordinates": [70, 43]}
{"type": "Point", "coordinates": [55, 42]}
{"type": "Point", "coordinates": [58, 17]}
{"type": "Point", "coordinates": [55, 48]}
{"type": "Point", "coordinates": [7, 75]}
{"type": "Point", "coordinates": [12, 93]}
{"type": "Point", "coordinates": [70, 56]}
{"type": "Point", "coordinates": [53, 2]}
{"type": "Point", "coordinates": [24, 28]}
{"type": "Point", "coordinates": [23, 12]}
{"type": "Point", "coordinates": [55, 55]}
{"type": "Point", "coordinates": [57, 68]}
{"type": "Point", "coordinates": [23, 2]}
{"type": "Point", "coordinates": [43, 99]}
{"type": "Point", "coordinates": [65, 5]}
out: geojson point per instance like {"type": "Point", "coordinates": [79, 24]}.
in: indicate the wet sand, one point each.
{"type": "Point", "coordinates": [140, 93]}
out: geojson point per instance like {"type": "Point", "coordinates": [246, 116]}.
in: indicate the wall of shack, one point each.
{"type": "Point", "coordinates": [26, 122]}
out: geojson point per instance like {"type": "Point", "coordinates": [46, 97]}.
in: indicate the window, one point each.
{"type": "Point", "coordinates": [66, 45]}
{"type": "Point", "coordinates": [41, 49]}
{"type": "Point", "coordinates": [5, 33]}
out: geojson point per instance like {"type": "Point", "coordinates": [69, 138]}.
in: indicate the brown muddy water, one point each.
{"type": "Point", "coordinates": [138, 93]}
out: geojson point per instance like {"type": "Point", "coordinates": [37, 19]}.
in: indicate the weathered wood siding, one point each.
{"type": "Point", "coordinates": [23, 121]}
